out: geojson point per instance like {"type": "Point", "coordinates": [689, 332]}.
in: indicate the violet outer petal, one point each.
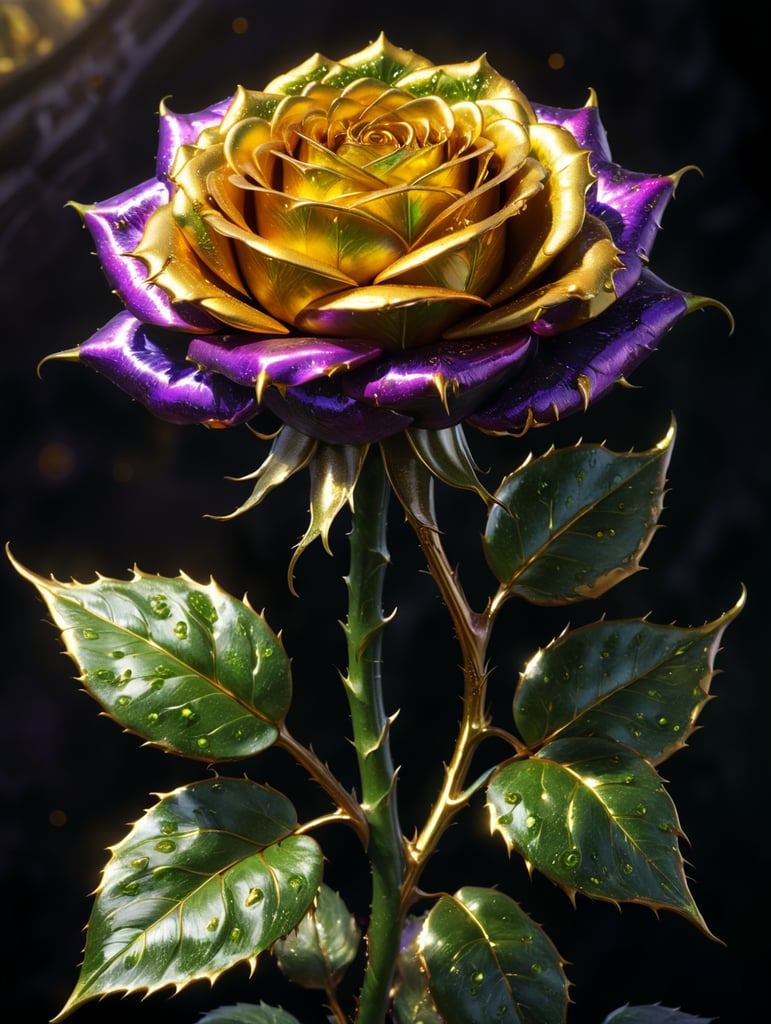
{"type": "Point", "coordinates": [580, 366]}
{"type": "Point", "coordinates": [150, 366]}
{"type": "Point", "coordinates": [177, 130]}
{"type": "Point", "coordinates": [443, 383]}
{"type": "Point", "coordinates": [285, 361]}
{"type": "Point", "coordinates": [321, 410]}
{"type": "Point", "coordinates": [631, 206]}
{"type": "Point", "coordinates": [117, 226]}
{"type": "Point", "coordinates": [583, 123]}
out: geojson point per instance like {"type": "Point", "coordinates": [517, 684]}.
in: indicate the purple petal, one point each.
{"type": "Point", "coordinates": [322, 411]}
{"type": "Point", "coordinates": [583, 123]}
{"type": "Point", "coordinates": [443, 383]}
{"type": "Point", "coordinates": [582, 365]}
{"type": "Point", "coordinates": [150, 365]}
{"type": "Point", "coordinates": [182, 129]}
{"type": "Point", "coordinates": [117, 226]}
{"type": "Point", "coordinates": [631, 205]}
{"type": "Point", "coordinates": [284, 361]}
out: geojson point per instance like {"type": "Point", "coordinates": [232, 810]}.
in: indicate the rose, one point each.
{"type": "Point", "coordinates": [379, 244]}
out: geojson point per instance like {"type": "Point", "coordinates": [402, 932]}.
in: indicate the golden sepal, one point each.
{"type": "Point", "coordinates": [447, 455]}
{"type": "Point", "coordinates": [314, 69]}
{"type": "Point", "coordinates": [694, 302]}
{"type": "Point", "coordinates": [583, 283]}
{"type": "Point", "coordinates": [334, 470]}
{"type": "Point", "coordinates": [290, 452]}
{"type": "Point", "coordinates": [381, 60]}
{"type": "Point", "coordinates": [556, 216]}
{"type": "Point", "coordinates": [248, 103]}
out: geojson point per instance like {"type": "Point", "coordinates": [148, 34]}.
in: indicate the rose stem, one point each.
{"type": "Point", "coordinates": [371, 727]}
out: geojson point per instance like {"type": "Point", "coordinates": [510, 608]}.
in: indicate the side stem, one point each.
{"type": "Point", "coordinates": [371, 726]}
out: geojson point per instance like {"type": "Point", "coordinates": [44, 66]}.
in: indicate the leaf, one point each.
{"type": "Point", "coordinates": [594, 817]}
{"type": "Point", "coordinates": [246, 1013]}
{"type": "Point", "coordinates": [653, 1014]}
{"type": "Point", "coordinates": [488, 961]}
{"type": "Point", "coordinates": [182, 664]}
{"type": "Point", "coordinates": [318, 951]}
{"type": "Point", "coordinates": [412, 1000]}
{"type": "Point", "coordinates": [631, 681]}
{"type": "Point", "coordinates": [575, 522]}
{"type": "Point", "coordinates": [210, 877]}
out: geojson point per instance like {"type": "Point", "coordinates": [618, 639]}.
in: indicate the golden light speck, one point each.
{"type": "Point", "coordinates": [57, 818]}
{"type": "Point", "coordinates": [240, 25]}
{"type": "Point", "coordinates": [122, 472]}
{"type": "Point", "coordinates": [556, 61]}
{"type": "Point", "coordinates": [56, 461]}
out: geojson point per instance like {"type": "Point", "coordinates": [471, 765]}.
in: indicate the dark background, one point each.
{"type": "Point", "coordinates": [93, 483]}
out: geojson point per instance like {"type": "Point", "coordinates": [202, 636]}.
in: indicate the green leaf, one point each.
{"type": "Point", "coordinates": [488, 961]}
{"type": "Point", "coordinates": [246, 1013]}
{"type": "Point", "coordinates": [631, 681]}
{"type": "Point", "coordinates": [594, 817]}
{"type": "Point", "coordinates": [653, 1014]}
{"type": "Point", "coordinates": [575, 522]}
{"type": "Point", "coordinates": [412, 1001]}
{"type": "Point", "coordinates": [318, 951]}
{"type": "Point", "coordinates": [210, 877]}
{"type": "Point", "coordinates": [182, 664]}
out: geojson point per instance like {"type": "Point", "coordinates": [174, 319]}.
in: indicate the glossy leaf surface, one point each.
{"type": "Point", "coordinates": [182, 664]}
{"type": "Point", "coordinates": [632, 681]}
{"type": "Point", "coordinates": [318, 951]}
{"type": "Point", "coordinates": [210, 877]}
{"type": "Point", "coordinates": [413, 1002]}
{"type": "Point", "coordinates": [488, 961]}
{"type": "Point", "coordinates": [594, 817]}
{"type": "Point", "coordinates": [653, 1014]}
{"type": "Point", "coordinates": [246, 1013]}
{"type": "Point", "coordinates": [575, 522]}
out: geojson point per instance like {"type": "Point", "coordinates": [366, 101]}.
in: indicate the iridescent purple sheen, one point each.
{"type": "Point", "coordinates": [187, 367]}
{"type": "Point", "coordinates": [143, 362]}
{"type": "Point", "coordinates": [584, 364]}
{"type": "Point", "coordinates": [117, 226]}
{"type": "Point", "coordinates": [321, 410]}
{"type": "Point", "coordinates": [441, 384]}
{"type": "Point", "coordinates": [285, 361]}
{"type": "Point", "coordinates": [181, 130]}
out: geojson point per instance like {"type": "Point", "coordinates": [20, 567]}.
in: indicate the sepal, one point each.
{"type": "Point", "coordinates": [322, 946]}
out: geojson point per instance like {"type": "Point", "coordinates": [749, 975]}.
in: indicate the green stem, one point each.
{"type": "Point", "coordinates": [371, 726]}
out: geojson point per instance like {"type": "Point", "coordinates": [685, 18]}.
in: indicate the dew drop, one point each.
{"type": "Point", "coordinates": [267, 652]}
{"type": "Point", "coordinates": [159, 606]}
{"type": "Point", "coordinates": [104, 675]}
{"type": "Point", "coordinates": [153, 717]}
{"type": "Point", "coordinates": [506, 819]}
{"type": "Point", "coordinates": [202, 742]}
{"type": "Point", "coordinates": [536, 968]}
{"type": "Point", "coordinates": [599, 534]}
{"type": "Point", "coordinates": [123, 701]}
{"type": "Point", "coordinates": [188, 715]}
{"type": "Point", "coordinates": [129, 887]}
{"type": "Point", "coordinates": [531, 821]}
{"type": "Point", "coordinates": [254, 896]}
{"type": "Point", "coordinates": [605, 654]}
{"type": "Point", "coordinates": [627, 869]}
{"type": "Point", "coordinates": [594, 880]}
{"type": "Point", "coordinates": [235, 934]}
{"type": "Point", "coordinates": [140, 863]}
{"type": "Point", "coordinates": [296, 882]}
{"type": "Point", "coordinates": [513, 798]}
{"type": "Point", "coordinates": [168, 828]}
{"type": "Point", "coordinates": [675, 728]}
{"type": "Point", "coordinates": [89, 634]}
{"type": "Point", "coordinates": [663, 826]}
{"type": "Point", "coordinates": [166, 846]}
{"type": "Point", "coordinates": [455, 969]}
{"type": "Point", "coordinates": [202, 605]}
{"type": "Point", "coordinates": [628, 780]}
{"type": "Point", "coordinates": [637, 733]}
{"type": "Point", "coordinates": [117, 654]}
{"type": "Point", "coordinates": [216, 787]}
{"type": "Point", "coordinates": [580, 476]}
{"type": "Point", "coordinates": [571, 858]}
{"type": "Point", "coordinates": [212, 924]}
{"type": "Point", "coordinates": [131, 960]}
{"type": "Point", "coordinates": [157, 683]}
{"type": "Point", "coordinates": [641, 810]}
{"type": "Point", "coordinates": [663, 721]}
{"type": "Point", "coordinates": [180, 630]}
{"type": "Point", "coordinates": [526, 940]}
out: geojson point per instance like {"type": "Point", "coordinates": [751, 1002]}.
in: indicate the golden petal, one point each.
{"type": "Point", "coordinates": [242, 140]}
{"type": "Point", "coordinates": [404, 209]}
{"type": "Point", "coordinates": [582, 284]}
{"type": "Point", "coordinates": [394, 316]}
{"type": "Point", "coordinates": [316, 155]}
{"type": "Point", "coordinates": [346, 240]}
{"type": "Point", "coordinates": [468, 124]}
{"type": "Point", "coordinates": [173, 266]}
{"type": "Point", "coordinates": [405, 166]}
{"type": "Point", "coordinates": [555, 217]}
{"type": "Point", "coordinates": [476, 80]}
{"type": "Point", "coordinates": [247, 103]}
{"type": "Point", "coordinates": [382, 60]}
{"type": "Point", "coordinates": [289, 116]}
{"type": "Point", "coordinates": [317, 184]}
{"type": "Point", "coordinates": [282, 281]}
{"type": "Point", "coordinates": [314, 69]}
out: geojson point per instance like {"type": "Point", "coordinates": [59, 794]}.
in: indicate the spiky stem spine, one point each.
{"type": "Point", "coordinates": [371, 726]}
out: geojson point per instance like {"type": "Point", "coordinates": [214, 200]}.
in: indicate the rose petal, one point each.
{"type": "Point", "coordinates": [117, 226]}
{"type": "Point", "coordinates": [176, 130]}
{"type": "Point", "coordinates": [441, 384]}
{"type": "Point", "coordinates": [584, 125]}
{"type": "Point", "coordinates": [322, 411]}
{"type": "Point", "coordinates": [631, 205]}
{"type": "Point", "coordinates": [582, 365]}
{"type": "Point", "coordinates": [283, 361]}
{"type": "Point", "coordinates": [151, 367]}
